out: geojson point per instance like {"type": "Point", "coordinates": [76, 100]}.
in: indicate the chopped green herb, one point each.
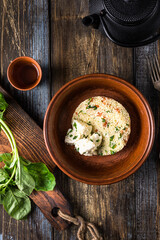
{"type": "Point", "coordinates": [108, 111]}
{"type": "Point", "coordinates": [89, 106]}
{"type": "Point", "coordinates": [120, 135]}
{"type": "Point", "coordinates": [106, 151]}
{"type": "Point", "coordinates": [71, 135]}
{"type": "Point", "coordinates": [80, 112]}
{"type": "Point", "coordinates": [89, 100]}
{"type": "Point", "coordinates": [91, 140]}
{"type": "Point", "coordinates": [103, 120]}
{"type": "Point", "coordinates": [111, 138]}
{"type": "Point", "coordinates": [114, 146]}
{"type": "Point", "coordinates": [117, 128]}
{"type": "Point", "coordinates": [75, 125]}
{"type": "Point", "coordinates": [127, 124]}
{"type": "Point", "coordinates": [108, 125]}
{"type": "Point", "coordinates": [89, 123]}
{"type": "Point", "coordinates": [97, 140]}
{"type": "Point", "coordinates": [69, 131]}
{"type": "Point", "coordinates": [112, 152]}
{"type": "Point", "coordinates": [124, 128]}
{"type": "Point", "coordinates": [77, 149]}
{"type": "Point", "coordinates": [75, 137]}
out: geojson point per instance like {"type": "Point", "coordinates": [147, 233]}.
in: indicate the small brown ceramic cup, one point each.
{"type": "Point", "coordinates": [24, 73]}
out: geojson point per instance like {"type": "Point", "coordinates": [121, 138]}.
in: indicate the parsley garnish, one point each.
{"type": "Point", "coordinates": [113, 152]}
{"type": "Point", "coordinates": [114, 146]}
{"type": "Point", "coordinates": [111, 138]}
{"type": "Point", "coordinates": [120, 135]}
{"type": "Point", "coordinates": [89, 106]}
{"type": "Point", "coordinates": [75, 125]}
{"type": "Point", "coordinates": [69, 131]}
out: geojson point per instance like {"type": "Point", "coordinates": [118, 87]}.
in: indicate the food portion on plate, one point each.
{"type": "Point", "coordinates": [100, 126]}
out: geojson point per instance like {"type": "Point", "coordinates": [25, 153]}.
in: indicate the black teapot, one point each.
{"type": "Point", "coordinates": [128, 23]}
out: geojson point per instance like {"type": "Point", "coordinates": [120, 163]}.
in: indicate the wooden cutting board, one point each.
{"type": "Point", "coordinates": [30, 142]}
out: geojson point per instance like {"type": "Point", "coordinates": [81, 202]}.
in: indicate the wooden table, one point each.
{"type": "Point", "coordinates": [52, 33]}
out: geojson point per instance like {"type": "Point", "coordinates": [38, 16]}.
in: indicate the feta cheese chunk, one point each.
{"type": "Point", "coordinates": [80, 136]}
{"type": "Point", "coordinates": [85, 146]}
{"type": "Point", "coordinates": [80, 130]}
{"type": "Point", "coordinates": [96, 138]}
{"type": "Point", "coordinates": [71, 136]}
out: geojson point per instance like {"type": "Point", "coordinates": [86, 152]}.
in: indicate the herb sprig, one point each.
{"type": "Point", "coordinates": [19, 177]}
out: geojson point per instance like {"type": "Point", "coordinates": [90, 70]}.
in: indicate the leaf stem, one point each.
{"type": "Point", "coordinates": [9, 134]}
{"type": "Point", "coordinates": [12, 141]}
{"type": "Point", "coordinates": [13, 173]}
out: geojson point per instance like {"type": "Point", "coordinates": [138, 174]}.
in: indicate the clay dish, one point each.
{"type": "Point", "coordinates": [98, 169]}
{"type": "Point", "coordinates": [24, 73]}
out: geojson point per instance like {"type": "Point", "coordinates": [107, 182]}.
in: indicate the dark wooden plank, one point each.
{"type": "Point", "coordinates": [75, 51]}
{"type": "Point", "coordinates": [146, 178]}
{"type": "Point", "coordinates": [24, 30]}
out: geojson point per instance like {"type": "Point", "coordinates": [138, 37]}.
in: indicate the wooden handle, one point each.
{"type": "Point", "coordinates": [50, 201]}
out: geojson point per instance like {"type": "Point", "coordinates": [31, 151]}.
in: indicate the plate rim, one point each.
{"type": "Point", "coordinates": [148, 148]}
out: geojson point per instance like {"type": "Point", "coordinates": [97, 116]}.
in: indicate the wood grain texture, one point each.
{"type": "Point", "coordinates": [24, 30]}
{"type": "Point", "coordinates": [76, 51]}
{"type": "Point", "coordinates": [30, 142]}
{"type": "Point", "coordinates": [128, 210]}
{"type": "Point", "coordinates": [146, 178]}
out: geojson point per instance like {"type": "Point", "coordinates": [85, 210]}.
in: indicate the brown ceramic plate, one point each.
{"type": "Point", "coordinates": [98, 169]}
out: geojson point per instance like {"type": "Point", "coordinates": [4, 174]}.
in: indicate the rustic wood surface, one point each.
{"type": "Point", "coordinates": [31, 145]}
{"type": "Point", "coordinates": [52, 33]}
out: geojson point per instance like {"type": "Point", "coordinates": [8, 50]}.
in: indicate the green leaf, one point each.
{"type": "Point", "coordinates": [24, 180]}
{"type": "Point", "coordinates": [44, 179]}
{"type": "Point", "coordinates": [16, 204]}
{"type": "Point", "coordinates": [3, 105]}
{"type": "Point", "coordinates": [24, 161]}
{"type": "Point", "coordinates": [3, 191]}
{"type": "Point", "coordinates": [5, 157]}
{"type": "Point", "coordinates": [1, 199]}
{"type": "Point", "coordinates": [1, 115]}
{"type": "Point", "coordinates": [3, 175]}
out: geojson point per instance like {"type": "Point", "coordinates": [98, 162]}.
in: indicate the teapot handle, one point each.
{"type": "Point", "coordinates": [137, 44]}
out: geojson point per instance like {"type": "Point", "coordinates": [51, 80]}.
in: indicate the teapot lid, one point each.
{"type": "Point", "coordinates": [130, 11]}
